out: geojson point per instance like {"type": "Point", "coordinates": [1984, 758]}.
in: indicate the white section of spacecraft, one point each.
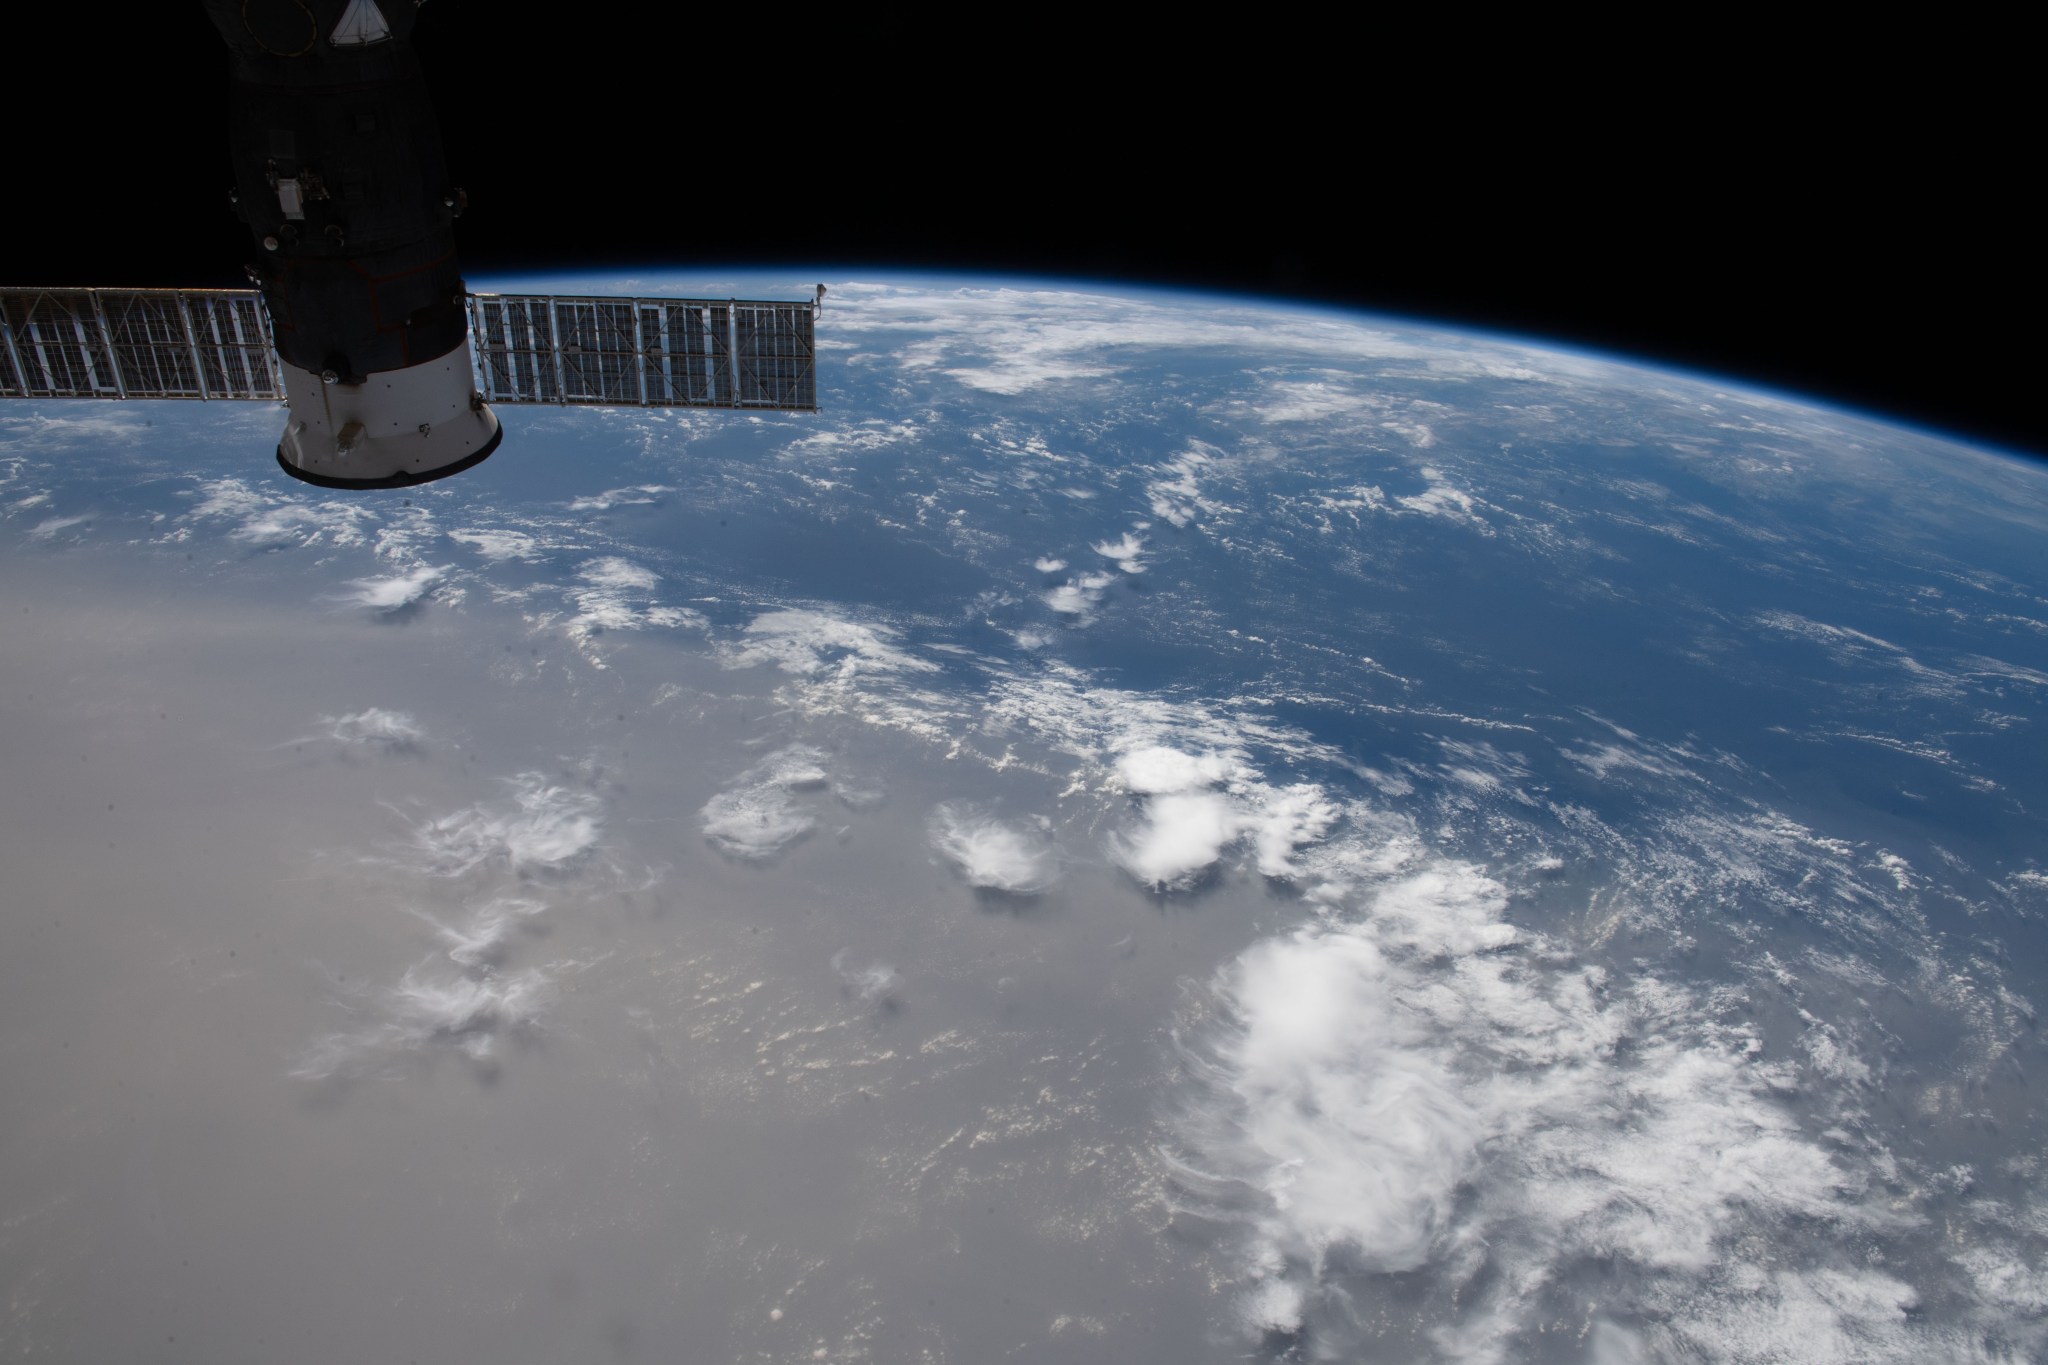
{"type": "Point", "coordinates": [397, 424]}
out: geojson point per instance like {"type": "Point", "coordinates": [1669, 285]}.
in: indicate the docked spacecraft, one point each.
{"type": "Point", "coordinates": [359, 320]}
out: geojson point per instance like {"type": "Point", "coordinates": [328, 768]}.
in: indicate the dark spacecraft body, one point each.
{"type": "Point", "coordinates": [360, 320]}
{"type": "Point", "coordinates": [340, 177]}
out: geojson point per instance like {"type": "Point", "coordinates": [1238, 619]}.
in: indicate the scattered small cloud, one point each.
{"type": "Point", "coordinates": [873, 984]}
{"type": "Point", "coordinates": [638, 495]}
{"type": "Point", "coordinates": [393, 732]}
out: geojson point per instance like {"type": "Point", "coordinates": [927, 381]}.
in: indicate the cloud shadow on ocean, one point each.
{"type": "Point", "coordinates": [994, 900]}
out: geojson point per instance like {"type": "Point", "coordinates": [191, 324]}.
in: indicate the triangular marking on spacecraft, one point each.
{"type": "Point", "coordinates": [361, 24]}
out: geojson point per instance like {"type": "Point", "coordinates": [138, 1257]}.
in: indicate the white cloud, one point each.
{"type": "Point", "coordinates": [469, 1010]}
{"type": "Point", "coordinates": [1013, 340]}
{"type": "Point", "coordinates": [638, 495]}
{"type": "Point", "coordinates": [1187, 826]}
{"type": "Point", "coordinates": [1849, 648]}
{"type": "Point", "coordinates": [1313, 400]}
{"type": "Point", "coordinates": [468, 1006]}
{"type": "Point", "coordinates": [393, 731]}
{"type": "Point", "coordinates": [1281, 821]}
{"type": "Point", "coordinates": [1125, 552]}
{"type": "Point", "coordinates": [268, 520]}
{"type": "Point", "coordinates": [763, 815]}
{"type": "Point", "coordinates": [614, 572]}
{"type": "Point", "coordinates": [815, 644]}
{"type": "Point", "coordinates": [392, 593]}
{"type": "Point", "coordinates": [1182, 837]}
{"type": "Point", "coordinates": [873, 983]}
{"type": "Point", "coordinates": [94, 429]}
{"type": "Point", "coordinates": [1156, 769]}
{"type": "Point", "coordinates": [545, 827]}
{"type": "Point", "coordinates": [48, 527]}
{"type": "Point", "coordinates": [1047, 564]}
{"type": "Point", "coordinates": [429, 1008]}
{"type": "Point", "coordinates": [1406, 1092]}
{"type": "Point", "coordinates": [993, 854]}
{"type": "Point", "coordinates": [497, 544]}
{"type": "Point", "coordinates": [481, 942]}
{"type": "Point", "coordinates": [1176, 496]}
{"type": "Point", "coordinates": [616, 594]}
{"type": "Point", "coordinates": [1079, 596]}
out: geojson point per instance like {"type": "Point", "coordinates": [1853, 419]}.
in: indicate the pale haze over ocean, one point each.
{"type": "Point", "coordinates": [1153, 828]}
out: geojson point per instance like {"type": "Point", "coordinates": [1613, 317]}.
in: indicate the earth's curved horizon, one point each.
{"type": "Point", "coordinates": [1156, 826]}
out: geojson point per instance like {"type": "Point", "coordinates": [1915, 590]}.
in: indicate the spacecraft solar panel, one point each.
{"type": "Point", "coordinates": [528, 348]}
{"type": "Point", "coordinates": [136, 343]}
{"type": "Point", "coordinates": [696, 353]}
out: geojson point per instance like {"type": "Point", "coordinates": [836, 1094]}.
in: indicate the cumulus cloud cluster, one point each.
{"type": "Point", "coordinates": [1125, 552]}
{"type": "Point", "coordinates": [546, 826]}
{"type": "Point", "coordinates": [266, 520]}
{"type": "Point", "coordinates": [481, 879]}
{"type": "Point", "coordinates": [470, 993]}
{"type": "Point", "coordinates": [1419, 1085]}
{"type": "Point", "coordinates": [465, 997]}
{"type": "Point", "coordinates": [765, 812]}
{"type": "Point", "coordinates": [1197, 806]}
{"type": "Point", "coordinates": [993, 854]}
{"type": "Point", "coordinates": [1176, 495]}
{"type": "Point", "coordinates": [614, 593]}
{"type": "Point", "coordinates": [817, 644]}
{"type": "Point", "coordinates": [1083, 592]}
{"type": "Point", "coordinates": [1079, 595]}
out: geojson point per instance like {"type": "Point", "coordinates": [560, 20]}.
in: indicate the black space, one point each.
{"type": "Point", "coordinates": [1849, 220]}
